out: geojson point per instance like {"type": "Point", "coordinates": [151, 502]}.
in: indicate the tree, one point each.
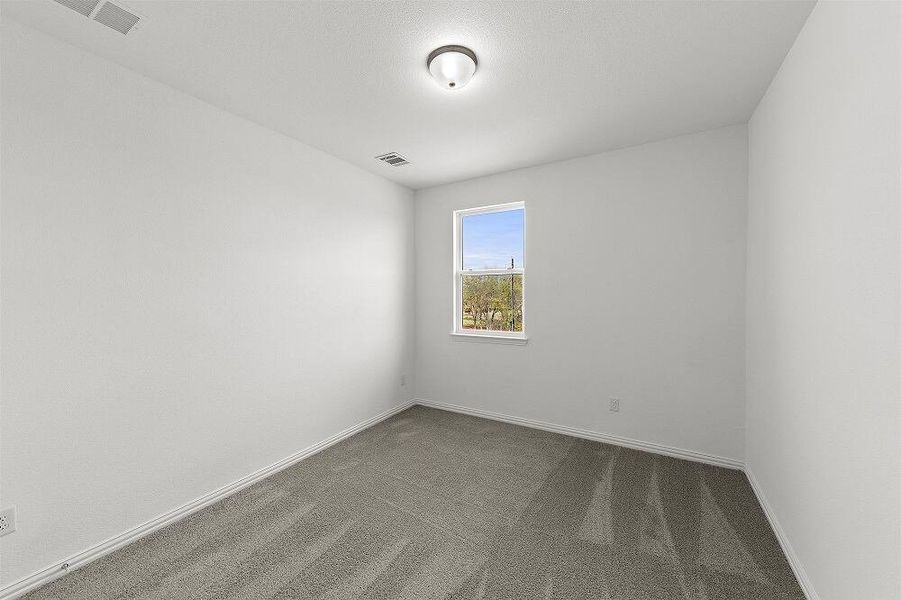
{"type": "Point", "coordinates": [492, 302]}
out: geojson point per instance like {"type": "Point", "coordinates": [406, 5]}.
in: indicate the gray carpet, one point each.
{"type": "Point", "coordinates": [432, 504]}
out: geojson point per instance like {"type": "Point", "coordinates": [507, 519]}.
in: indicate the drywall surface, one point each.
{"type": "Point", "coordinates": [823, 300]}
{"type": "Point", "coordinates": [634, 289]}
{"type": "Point", "coordinates": [186, 297]}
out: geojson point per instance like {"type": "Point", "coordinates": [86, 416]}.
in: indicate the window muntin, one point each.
{"type": "Point", "coordinates": [489, 271]}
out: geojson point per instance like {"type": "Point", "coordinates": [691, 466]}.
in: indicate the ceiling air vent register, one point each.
{"type": "Point", "coordinates": [394, 159]}
{"type": "Point", "coordinates": [84, 7]}
{"type": "Point", "coordinates": [106, 13]}
{"type": "Point", "coordinates": [116, 17]}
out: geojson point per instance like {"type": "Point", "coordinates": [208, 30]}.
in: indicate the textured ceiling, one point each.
{"type": "Point", "coordinates": [555, 79]}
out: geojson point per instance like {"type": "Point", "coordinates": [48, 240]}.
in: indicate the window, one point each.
{"type": "Point", "coordinates": [489, 271]}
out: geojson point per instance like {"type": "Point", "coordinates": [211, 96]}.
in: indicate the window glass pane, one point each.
{"type": "Point", "coordinates": [493, 240]}
{"type": "Point", "coordinates": [492, 302]}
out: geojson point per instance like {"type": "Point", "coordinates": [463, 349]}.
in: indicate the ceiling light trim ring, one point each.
{"type": "Point", "coordinates": [451, 48]}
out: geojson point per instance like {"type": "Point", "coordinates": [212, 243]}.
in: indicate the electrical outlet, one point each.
{"type": "Point", "coordinates": [403, 380]}
{"type": "Point", "coordinates": [614, 404]}
{"type": "Point", "coordinates": [7, 520]}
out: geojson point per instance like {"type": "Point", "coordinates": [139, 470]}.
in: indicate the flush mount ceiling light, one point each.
{"type": "Point", "coordinates": [452, 66]}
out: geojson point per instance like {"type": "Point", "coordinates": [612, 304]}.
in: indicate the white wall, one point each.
{"type": "Point", "coordinates": [187, 297]}
{"type": "Point", "coordinates": [634, 289]}
{"type": "Point", "coordinates": [823, 300]}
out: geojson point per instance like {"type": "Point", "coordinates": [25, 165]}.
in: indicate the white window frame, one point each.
{"type": "Point", "coordinates": [508, 337]}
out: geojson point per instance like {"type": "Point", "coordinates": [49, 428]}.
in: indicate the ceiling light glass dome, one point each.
{"type": "Point", "coordinates": [452, 66]}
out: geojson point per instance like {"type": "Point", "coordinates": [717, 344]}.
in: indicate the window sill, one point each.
{"type": "Point", "coordinates": [518, 340]}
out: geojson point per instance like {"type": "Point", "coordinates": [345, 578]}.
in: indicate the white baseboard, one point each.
{"type": "Point", "coordinates": [711, 459]}
{"type": "Point", "coordinates": [44, 576]}
{"type": "Point", "coordinates": [790, 556]}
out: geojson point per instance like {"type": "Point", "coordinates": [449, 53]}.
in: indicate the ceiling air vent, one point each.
{"type": "Point", "coordinates": [116, 17]}
{"type": "Point", "coordinates": [109, 14]}
{"type": "Point", "coordinates": [85, 7]}
{"type": "Point", "coordinates": [394, 159]}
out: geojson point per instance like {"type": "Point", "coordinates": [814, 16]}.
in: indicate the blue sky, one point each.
{"type": "Point", "coordinates": [490, 240]}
